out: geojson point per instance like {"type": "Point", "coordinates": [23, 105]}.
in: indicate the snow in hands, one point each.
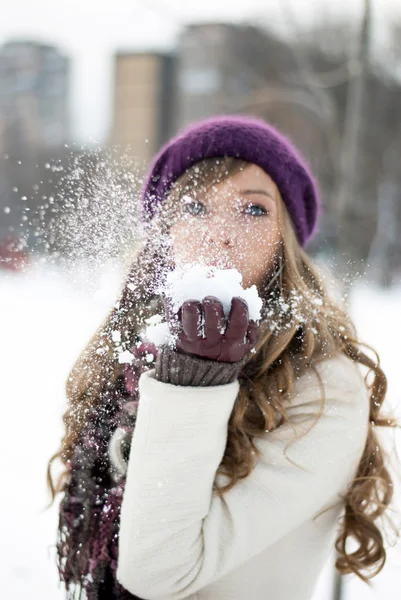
{"type": "Point", "coordinates": [195, 282]}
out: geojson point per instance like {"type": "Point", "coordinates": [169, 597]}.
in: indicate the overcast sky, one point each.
{"type": "Point", "coordinates": [89, 31]}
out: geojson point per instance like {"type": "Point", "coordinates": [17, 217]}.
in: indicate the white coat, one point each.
{"type": "Point", "coordinates": [264, 538]}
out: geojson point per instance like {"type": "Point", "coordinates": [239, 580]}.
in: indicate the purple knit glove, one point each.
{"type": "Point", "coordinates": [224, 342]}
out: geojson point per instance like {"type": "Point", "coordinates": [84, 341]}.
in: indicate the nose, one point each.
{"type": "Point", "coordinates": [220, 233]}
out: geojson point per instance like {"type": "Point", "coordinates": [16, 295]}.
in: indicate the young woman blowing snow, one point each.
{"type": "Point", "coordinates": [240, 456]}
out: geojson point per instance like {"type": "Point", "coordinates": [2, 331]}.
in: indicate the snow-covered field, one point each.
{"type": "Point", "coordinates": [46, 318]}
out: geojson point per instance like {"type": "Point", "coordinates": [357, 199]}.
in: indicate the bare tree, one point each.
{"type": "Point", "coordinates": [354, 119]}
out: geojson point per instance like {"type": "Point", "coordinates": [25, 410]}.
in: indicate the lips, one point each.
{"type": "Point", "coordinates": [220, 264]}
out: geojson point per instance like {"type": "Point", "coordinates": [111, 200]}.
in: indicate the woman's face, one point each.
{"type": "Point", "coordinates": [234, 224]}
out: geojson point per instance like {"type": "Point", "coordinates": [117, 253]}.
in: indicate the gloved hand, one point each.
{"type": "Point", "coordinates": [224, 342]}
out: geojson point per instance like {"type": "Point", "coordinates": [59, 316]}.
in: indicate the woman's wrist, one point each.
{"type": "Point", "coordinates": [178, 368]}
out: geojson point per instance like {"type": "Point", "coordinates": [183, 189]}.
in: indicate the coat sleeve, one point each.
{"type": "Point", "coordinates": [176, 537]}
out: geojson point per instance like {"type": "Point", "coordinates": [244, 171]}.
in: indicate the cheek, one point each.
{"type": "Point", "coordinates": [258, 241]}
{"type": "Point", "coordinates": [183, 242]}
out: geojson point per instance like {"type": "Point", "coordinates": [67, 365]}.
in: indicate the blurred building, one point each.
{"type": "Point", "coordinates": [223, 67]}
{"type": "Point", "coordinates": [34, 95]}
{"type": "Point", "coordinates": [218, 68]}
{"type": "Point", "coordinates": [144, 85]}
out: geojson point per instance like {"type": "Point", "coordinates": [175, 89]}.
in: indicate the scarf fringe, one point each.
{"type": "Point", "coordinates": [89, 514]}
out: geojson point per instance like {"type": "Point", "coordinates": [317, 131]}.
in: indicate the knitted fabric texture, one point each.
{"type": "Point", "coordinates": [181, 369]}
{"type": "Point", "coordinates": [243, 137]}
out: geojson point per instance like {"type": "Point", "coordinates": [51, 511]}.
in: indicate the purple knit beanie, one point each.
{"type": "Point", "coordinates": [243, 137]}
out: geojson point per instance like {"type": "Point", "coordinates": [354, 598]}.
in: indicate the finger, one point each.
{"type": "Point", "coordinates": [168, 308]}
{"type": "Point", "coordinates": [191, 318]}
{"type": "Point", "coordinates": [173, 318]}
{"type": "Point", "coordinates": [253, 333]}
{"type": "Point", "coordinates": [213, 313]}
{"type": "Point", "coordinates": [238, 319]}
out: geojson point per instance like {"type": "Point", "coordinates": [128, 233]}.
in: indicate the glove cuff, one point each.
{"type": "Point", "coordinates": [188, 370]}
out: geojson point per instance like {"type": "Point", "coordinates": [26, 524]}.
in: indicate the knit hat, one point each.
{"type": "Point", "coordinates": [243, 137]}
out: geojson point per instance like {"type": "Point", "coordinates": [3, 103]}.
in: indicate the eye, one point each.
{"type": "Point", "coordinates": [194, 207]}
{"type": "Point", "coordinates": [255, 210]}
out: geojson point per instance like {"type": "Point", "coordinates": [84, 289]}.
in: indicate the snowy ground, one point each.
{"type": "Point", "coordinates": [46, 318]}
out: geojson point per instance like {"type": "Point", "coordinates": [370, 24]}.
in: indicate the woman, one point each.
{"type": "Point", "coordinates": [230, 465]}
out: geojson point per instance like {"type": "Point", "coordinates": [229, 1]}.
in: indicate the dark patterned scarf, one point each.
{"type": "Point", "coordinates": [87, 540]}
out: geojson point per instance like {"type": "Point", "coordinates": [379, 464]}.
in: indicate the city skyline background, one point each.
{"type": "Point", "coordinates": [91, 32]}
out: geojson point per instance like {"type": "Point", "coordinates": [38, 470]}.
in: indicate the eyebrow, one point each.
{"type": "Point", "coordinates": [262, 192]}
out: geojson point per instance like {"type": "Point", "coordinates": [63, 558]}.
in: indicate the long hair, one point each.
{"type": "Point", "coordinates": [309, 325]}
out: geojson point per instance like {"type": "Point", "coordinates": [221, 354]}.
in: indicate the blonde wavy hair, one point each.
{"type": "Point", "coordinates": [282, 354]}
